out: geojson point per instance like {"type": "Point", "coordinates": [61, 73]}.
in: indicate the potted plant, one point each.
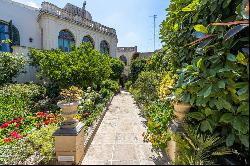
{"type": "Point", "coordinates": [69, 101]}
{"type": "Point", "coordinates": [181, 105]}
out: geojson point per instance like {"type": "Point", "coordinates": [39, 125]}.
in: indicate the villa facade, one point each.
{"type": "Point", "coordinates": [51, 27]}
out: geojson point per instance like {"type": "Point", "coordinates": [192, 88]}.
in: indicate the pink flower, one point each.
{"type": "Point", "coordinates": [15, 135]}
{"type": "Point", "coordinates": [17, 125]}
{"type": "Point", "coordinates": [5, 125]}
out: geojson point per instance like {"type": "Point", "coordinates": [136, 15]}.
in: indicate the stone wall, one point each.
{"type": "Point", "coordinates": [128, 52]}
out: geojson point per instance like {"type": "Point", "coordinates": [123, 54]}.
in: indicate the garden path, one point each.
{"type": "Point", "coordinates": [119, 139]}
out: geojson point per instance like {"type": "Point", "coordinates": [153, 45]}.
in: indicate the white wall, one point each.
{"type": "Point", "coordinates": [30, 71]}
{"type": "Point", "coordinates": [24, 18]}
{"type": "Point", "coordinates": [52, 26]}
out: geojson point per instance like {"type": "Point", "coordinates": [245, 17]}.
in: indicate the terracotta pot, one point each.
{"type": "Point", "coordinates": [69, 110]}
{"type": "Point", "coordinates": [180, 110]}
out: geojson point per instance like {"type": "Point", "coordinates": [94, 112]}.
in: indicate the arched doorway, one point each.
{"type": "Point", "coordinates": [65, 40]}
{"type": "Point", "coordinates": [124, 59]}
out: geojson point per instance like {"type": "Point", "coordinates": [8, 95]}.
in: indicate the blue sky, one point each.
{"type": "Point", "coordinates": [130, 18]}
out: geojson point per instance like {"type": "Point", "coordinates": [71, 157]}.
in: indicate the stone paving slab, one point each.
{"type": "Point", "coordinates": [119, 140]}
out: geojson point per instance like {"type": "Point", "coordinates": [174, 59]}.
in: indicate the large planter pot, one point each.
{"type": "Point", "coordinates": [69, 110]}
{"type": "Point", "coordinates": [180, 110]}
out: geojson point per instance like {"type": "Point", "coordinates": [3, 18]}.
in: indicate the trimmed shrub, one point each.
{"type": "Point", "coordinates": [111, 85]}
{"type": "Point", "coordinates": [83, 66]}
{"type": "Point", "coordinates": [146, 87]}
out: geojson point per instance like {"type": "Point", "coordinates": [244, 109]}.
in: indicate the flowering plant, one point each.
{"type": "Point", "coordinates": [71, 94]}
{"type": "Point", "coordinates": [21, 127]}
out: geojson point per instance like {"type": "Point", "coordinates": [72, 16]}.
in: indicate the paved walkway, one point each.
{"type": "Point", "coordinates": [119, 139]}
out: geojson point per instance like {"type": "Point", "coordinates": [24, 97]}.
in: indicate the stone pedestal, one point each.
{"type": "Point", "coordinates": [172, 149]}
{"type": "Point", "coordinates": [69, 145]}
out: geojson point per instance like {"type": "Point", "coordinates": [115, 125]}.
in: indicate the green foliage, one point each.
{"type": "Point", "coordinates": [128, 85]}
{"type": "Point", "coordinates": [157, 62]}
{"type": "Point", "coordinates": [40, 141]}
{"type": "Point", "coordinates": [117, 67]}
{"type": "Point", "coordinates": [43, 141]}
{"type": "Point", "coordinates": [137, 66]}
{"type": "Point", "coordinates": [159, 115]}
{"type": "Point", "coordinates": [17, 100]}
{"type": "Point", "coordinates": [111, 85]}
{"type": "Point", "coordinates": [214, 75]}
{"type": "Point", "coordinates": [10, 66]}
{"type": "Point", "coordinates": [146, 87]}
{"type": "Point", "coordinates": [16, 153]}
{"type": "Point", "coordinates": [83, 66]}
{"type": "Point", "coordinates": [195, 148]}
{"type": "Point", "coordinates": [92, 105]}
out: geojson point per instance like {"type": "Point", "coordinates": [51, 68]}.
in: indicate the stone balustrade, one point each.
{"type": "Point", "coordinates": [52, 9]}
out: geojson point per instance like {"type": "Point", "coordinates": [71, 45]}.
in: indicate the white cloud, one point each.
{"type": "Point", "coordinates": [28, 3]}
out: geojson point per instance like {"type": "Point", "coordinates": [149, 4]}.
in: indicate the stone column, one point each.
{"type": "Point", "coordinates": [171, 150]}
{"type": "Point", "coordinates": [180, 111]}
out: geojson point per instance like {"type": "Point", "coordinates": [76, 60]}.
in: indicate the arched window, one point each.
{"type": "Point", "coordinates": [8, 31]}
{"type": "Point", "coordinates": [104, 47]}
{"type": "Point", "coordinates": [65, 40]}
{"type": "Point", "coordinates": [88, 39]}
{"type": "Point", "coordinates": [124, 59]}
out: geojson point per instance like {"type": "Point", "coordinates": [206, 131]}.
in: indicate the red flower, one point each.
{"type": "Point", "coordinates": [17, 125]}
{"type": "Point", "coordinates": [5, 125]}
{"type": "Point", "coordinates": [38, 124]}
{"type": "Point", "coordinates": [51, 116]}
{"type": "Point", "coordinates": [46, 122]}
{"type": "Point", "coordinates": [13, 121]}
{"type": "Point", "coordinates": [7, 140]}
{"type": "Point", "coordinates": [19, 119]}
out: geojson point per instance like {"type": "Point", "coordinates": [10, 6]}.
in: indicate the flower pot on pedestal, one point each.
{"type": "Point", "coordinates": [69, 110]}
{"type": "Point", "coordinates": [180, 110]}
{"type": "Point", "coordinates": [69, 138]}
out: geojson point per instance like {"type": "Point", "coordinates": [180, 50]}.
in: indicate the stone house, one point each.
{"type": "Point", "coordinates": [51, 27]}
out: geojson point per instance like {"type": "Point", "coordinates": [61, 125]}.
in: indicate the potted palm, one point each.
{"type": "Point", "coordinates": [69, 101]}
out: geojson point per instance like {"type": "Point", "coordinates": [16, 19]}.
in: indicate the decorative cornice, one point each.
{"type": "Point", "coordinates": [53, 10]}
{"type": "Point", "coordinates": [127, 49]}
